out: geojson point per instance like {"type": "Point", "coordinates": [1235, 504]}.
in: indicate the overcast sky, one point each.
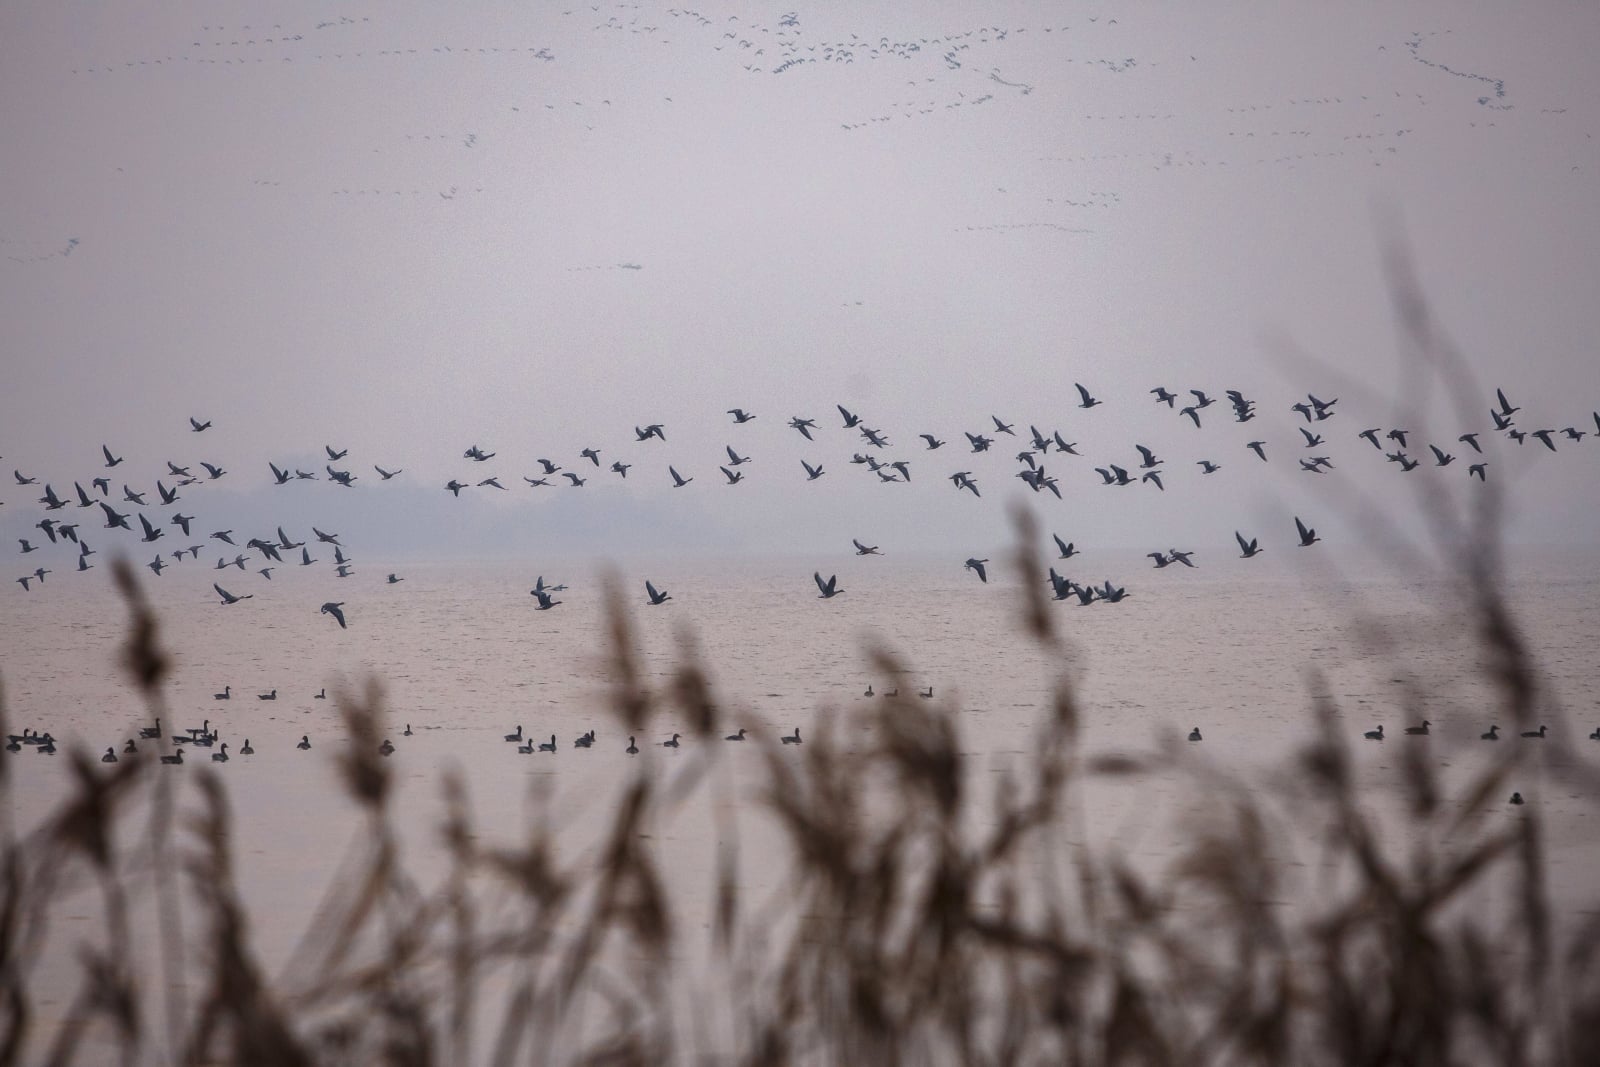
{"type": "Point", "coordinates": [533, 227]}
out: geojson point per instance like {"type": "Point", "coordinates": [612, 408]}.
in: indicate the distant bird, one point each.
{"type": "Point", "coordinates": [549, 468]}
{"type": "Point", "coordinates": [1544, 437]}
{"type": "Point", "coordinates": [740, 415]}
{"type": "Point", "coordinates": [1441, 457]}
{"type": "Point", "coordinates": [273, 695]}
{"type": "Point", "coordinates": [1154, 477]}
{"type": "Point", "coordinates": [220, 756]}
{"type": "Point", "coordinates": [673, 743]}
{"type": "Point", "coordinates": [633, 748]}
{"type": "Point", "coordinates": [656, 596]}
{"type": "Point", "coordinates": [1374, 735]}
{"type": "Point", "coordinates": [826, 589]}
{"type": "Point", "coordinates": [1067, 549]}
{"type": "Point", "coordinates": [1180, 557]}
{"type": "Point", "coordinates": [1312, 439]}
{"type": "Point", "coordinates": [621, 468]}
{"type": "Point", "coordinates": [1086, 401]}
{"type": "Point", "coordinates": [1308, 536]}
{"type": "Point", "coordinates": [157, 565]}
{"type": "Point", "coordinates": [1258, 447]}
{"type": "Point", "coordinates": [812, 473]}
{"type": "Point", "coordinates": [226, 694]}
{"type": "Point", "coordinates": [212, 470]}
{"type": "Point", "coordinates": [1160, 558]}
{"type": "Point", "coordinates": [492, 482]}
{"type": "Point", "coordinates": [279, 475]}
{"type": "Point", "coordinates": [394, 578]}
{"type": "Point", "coordinates": [227, 597]}
{"type": "Point", "coordinates": [1063, 445]}
{"type": "Point", "coordinates": [198, 425]}
{"type": "Point", "coordinates": [933, 442]}
{"type": "Point", "coordinates": [791, 739]}
{"type": "Point", "coordinates": [1516, 798]}
{"type": "Point", "coordinates": [592, 455]}
{"type": "Point", "coordinates": [732, 476]}
{"type": "Point", "coordinates": [1000, 427]}
{"type": "Point", "coordinates": [736, 737]}
{"type": "Point", "coordinates": [548, 746]}
{"type": "Point", "coordinates": [734, 459]}
{"type": "Point", "coordinates": [546, 602]}
{"type": "Point", "coordinates": [1164, 397]}
{"type": "Point", "coordinates": [455, 486]}
{"type": "Point", "coordinates": [176, 757]}
{"type": "Point", "coordinates": [850, 420]}
{"type": "Point", "coordinates": [305, 742]}
{"type": "Point", "coordinates": [1470, 439]}
{"type": "Point", "coordinates": [1478, 469]}
{"type": "Point", "coordinates": [26, 547]}
{"type": "Point", "coordinates": [1492, 735]}
{"type": "Point", "coordinates": [1194, 735]}
{"type": "Point", "coordinates": [333, 456]}
{"type": "Point", "coordinates": [865, 550]}
{"type": "Point", "coordinates": [1194, 415]}
{"type": "Point", "coordinates": [678, 480]}
{"type": "Point", "coordinates": [385, 475]}
{"type": "Point", "coordinates": [1246, 548]}
{"type": "Point", "coordinates": [1539, 733]}
{"type": "Point", "coordinates": [1505, 405]}
{"type": "Point", "coordinates": [976, 565]}
{"type": "Point", "coordinates": [1398, 436]}
{"type": "Point", "coordinates": [1208, 467]}
{"type": "Point", "coordinates": [334, 608]}
{"type": "Point", "coordinates": [1415, 730]}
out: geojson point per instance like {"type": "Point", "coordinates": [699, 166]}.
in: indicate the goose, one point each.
{"type": "Point", "coordinates": [977, 565]}
{"type": "Point", "coordinates": [678, 480]}
{"type": "Point", "coordinates": [176, 757]}
{"type": "Point", "coordinates": [736, 737]}
{"type": "Point", "coordinates": [129, 748]}
{"type": "Point", "coordinates": [656, 595]}
{"type": "Point", "coordinates": [335, 608]}
{"type": "Point", "coordinates": [869, 690]}
{"type": "Point", "coordinates": [1246, 548]}
{"type": "Point", "coordinates": [1194, 735]}
{"type": "Point", "coordinates": [805, 426]}
{"type": "Point", "coordinates": [305, 742]}
{"type": "Point", "coordinates": [546, 602]}
{"type": "Point", "coordinates": [387, 748]}
{"type": "Point", "coordinates": [246, 750]}
{"type": "Point", "coordinates": [548, 746]}
{"type": "Point", "coordinates": [321, 694]}
{"type": "Point", "coordinates": [633, 749]}
{"type": "Point", "coordinates": [47, 747]}
{"type": "Point", "coordinates": [227, 597]}
{"type": "Point", "coordinates": [151, 731]}
{"type": "Point", "coordinates": [110, 756]}
{"type": "Point", "coordinates": [926, 694]}
{"type": "Point", "coordinates": [740, 415]}
{"type": "Point", "coordinates": [527, 749]}
{"type": "Point", "coordinates": [892, 692]}
{"type": "Point", "coordinates": [584, 740]}
{"type": "Point", "coordinates": [1419, 729]}
{"type": "Point", "coordinates": [672, 743]}
{"type": "Point", "coordinates": [812, 473]}
{"type": "Point", "coordinates": [220, 756]}
{"type": "Point", "coordinates": [267, 696]}
{"type": "Point", "coordinates": [1087, 400]}
{"type": "Point", "coordinates": [826, 589]}
{"type": "Point", "coordinates": [791, 739]}
{"type": "Point", "coordinates": [516, 736]}
{"type": "Point", "coordinates": [1492, 735]}
{"type": "Point", "coordinates": [226, 694]}
{"type": "Point", "coordinates": [865, 550]}
{"type": "Point", "coordinates": [1539, 733]}
{"type": "Point", "coordinates": [1596, 735]}
{"type": "Point", "coordinates": [1374, 735]}
{"type": "Point", "coordinates": [408, 730]}
{"type": "Point", "coordinates": [1516, 798]}
{"type": "Point", "coordinates": [13, 745]}
{"type": "Point", "coordinates": [1308, 536]}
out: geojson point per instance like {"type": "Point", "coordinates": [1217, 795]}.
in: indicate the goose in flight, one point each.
{"type": "Point", "coordinates": [111, 461]}
{"type": "Point", "coordinates": [1193, 413]}
{"type": "Point", "coordinates": [1441, 457]}
{"type": "Point", "coordinates": [621, 467]}
{"type": "Point", "coordinates": [812, 473]}
{"type": "Point", "coordinates": [740, 415]}
{"type": "Point", "coordinates": [536, 482]}
{"type": "Point", "coordinates": [492, 481]}
{"type": "Point", "coordinates": [1000, 427]}
{"type": "Point", "coordinates": [394, 579]}
{"type": "Point", "coordinates": [653, 430]}
{"type": "Point", "coordinates": [344, 478]}
{"type": "Point", "coordinates": [826, 589]}
{"type": "Point", "coordinates": [963, 480]}
{"type": "Point", "coordinates": [1155, 477]}
{"type": "Point", "coordinates": [333, 456]}
{"type": "Point", "coordinates": [678, 480]}
{"type": "Point", "coordinates": [576, 481]}
{"type": "Point", "coordinates": [198, 425]}
{"type": "Point", "coordinates": [977, 565]}
{"type": "Point", "coordinates": [1246, 548]}
{"type": "Point", "coordinates": [850, 420]}
{"type": "Point", "coordinates": [386, 475]}
{"type": "Point", "coordinates": [26, 546]}
{"type": "Point", "coordinates": [213, 472]}
{"type": "Point", "coordinates": [549, 468]}
{"type": "Point", "coordinates": [227, 597]}
{"type": "Point", "coordinates": [592, 455]}
{"type": "Point", "coordinates": [1087, 401]}
{"type": "Point", "coordinates": [1479, 470]}
{"type": "Point", "coordinates": [734, 459]}
{"type": "Point", "coordinates": [1163, 397]}
{"type": "Point", "coordinates": [334, 608]}
{"type": "Point", "coordinates": [1544, 437]}
{"type": "Point", "coordinates": [1180, 557]}
{"type": "Point", "coordinates": [1067, 548]}
{"type": "Point", "coordinates": [476, 454]}
{"type": "Point", "coordinates": [1208, 467]}
{"type": "Point", "coordinates": [873, 437]}
{"type": "Point", "coordinates": [805, 426]}
{"type": "Point", "coordinates": [979, 442]}
{"type": "Point", "coordinates": [279, 475]}
{"type": "Point", "coordinates": [546, 602]}
{"type": "Point", "coordinates": [933, 442]}
{"type": "Point", "coordinates": [865, 550]}
{"type": "Point", "coordinates": [130, 497]}
{"type": "Point", "coordinates": [1312, 439]}
{"type": "Point", "coordinates": [1161, 559]}
{"type": "Point", "coordinates": [167, 496]}
{"type": "Point", "coordinates": [1506, 410]}
{"type": "Point", "coordinates": [455, 487]}
{"type": "Point", "coordinates": [52, 502]}
{"type": "Point", "coordinates": [23, 479]}
{"type": "Point", "coordinates": [1258, 447]}
{"type": "Point", "coordinates": [151, 533]}
{"type": "Point", "coordinates": [1148, 458]}
{"type": "Point", "coordinates": [1308, 536]}
{"type": "Point", "coordinates": [656, 596]}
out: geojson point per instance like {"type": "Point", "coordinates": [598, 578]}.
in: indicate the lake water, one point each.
{"type": "Point", "coordinates": [464, 658]}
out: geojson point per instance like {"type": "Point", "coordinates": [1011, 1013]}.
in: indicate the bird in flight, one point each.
{"type": "Point", "coordinates": [1246, 548]}
{"type": "Point", "coordinates": [829, 588]}
{"type": "Point", "coordinates": [546, 602]}
{"type": "Point", "coordinates": [865, 550]}
{"type": "Point", "coordinates": [227, 597]}
{"type": "Point", "coordinates": [1087, 400]}
{"type": "Point", "coordinates": [812, 473]}
{"type": "Point", "coordinates": [977, 565]}
{"type": "Point", "coordinates": [111, 461]}
{"type": "Point", "coordinates": [335, 608]}
{"type": "Point", "coordinates": [740, 415]}
{"type": "Point", "coordinates": [198, 425]}
{"type": "Point", "coordinates": [656, 595]}
{"type": "Point", "coordinates": [385, 475]}
{"type": "Point", "coordinates": [1308, 536]}
{"type": "Point", "coordinates": [678, 480]}
{"type": "Point", "coordinates": [805, 426]}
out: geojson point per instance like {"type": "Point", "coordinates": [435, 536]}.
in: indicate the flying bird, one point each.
{"type": "Point", "coordinates": [656, 596]}
{"type": "Point", "coordinates": [198, 425]}
{"type": "Point", "coordinates": [977, 565]}
{"type": "Point", "coordinates": [865, 550]}
{"type": "Point", "coordinates": [827, 588]}
{"type": "Point", "coordinates": [111, 461]}
{"type": "Point", "coordinates": [1087, 400]}
{"type": "Point", "coordinates": [1308, 536]}
{"type": "Point", "coordinates": [740, 415]}
{"type": "Point", "coordinates": [335, 608]}
{"type": "Point", "coordinates": [1246, 548]}
{"type": "Point", "coordinates": [227, 597]}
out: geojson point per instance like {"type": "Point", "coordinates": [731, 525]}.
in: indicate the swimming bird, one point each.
{"type": "Point", "coordinates": [1087, 401]}
{"type": "Point", "coordinates": [672, 743]}
{"type": "Point", "coordinates": [1516, 798]}
{"type": "Point", "coordinates": [1596, 735]}
{"type": "Point", "coordinates": [387, 748]}
{"type": "Point", "coordinates": [1194, 735]}
{"type": "Point", "coordinates": [273, 695]}
{"type": "Point", "coordinates": [865, 550]}
{"type": "Point", "coordinates": [1374, 735]}
{"type": "Point", "coordinates": [791, 739]}
{"type": "Point", "coordinates": [246, 750]}
{"type": "Point", "coordinates": [305, 742]}
{"type": "Point", "coordinates": [334, 608]}
{"type": "Point", "coordinates": [1539, 733]}
{"type": "Point", "coordinates": [130, 748]}
{"type": "Point", "coordinates": [829, 588]}
{"type": "Point", "coordinates": [1246, 548]}
{"type": "Point", "coordinates": [227, 597]}
{"type": "Point", "coordinates": [548, 746]}
{"type": "Point", "coordinates": [678, 480]}
{"type": "Point", "coordinates": [656, 596]}
{"type": "Point", "coordinates": [977, 566]}
{"type": "Point", "coordinates": [926, 694]}
{"type": "Point", "coordinates": [221, 755]}
{"type": "Point", "coordinates": [1308, 536]}
{"type": "Point", "coordinates": [1419, 729]}
{"type": "Point", "coordinates": [736, 737]}
{"type": "Point", "coordinates": [147, 732]}
{"type": "Point", "coordinates": [110, 756]}
{"type": "Point", "coordinates": [226, 694]}
{"type": "Point", "coordinates": [407, 730]}
{"type": "Point", "coordinates": [321, 694]}
{"type": "Point", "coordinates": [632, 749]}
{"type": "Point", "coordinates": [1492, 735]}
{"type": "Point", "coordinates": [176, 757]}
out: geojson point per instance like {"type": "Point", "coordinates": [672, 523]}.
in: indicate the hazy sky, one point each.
{"type": "Point", "coordinates": [533, 227]}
